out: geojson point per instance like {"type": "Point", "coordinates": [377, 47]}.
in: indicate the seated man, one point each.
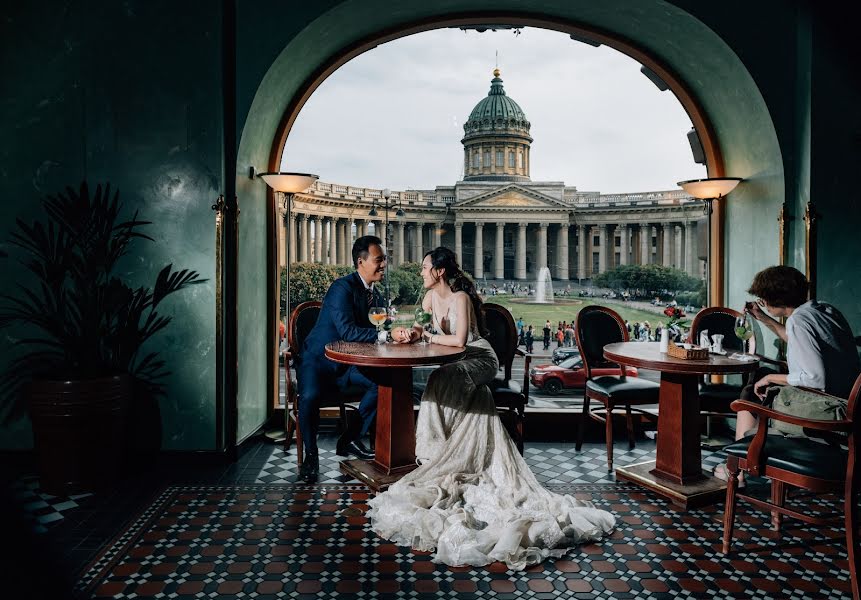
{"type": "Point", "coordinates": [343, 316]}
{"type": "Point", "coordinates": [820, 348]}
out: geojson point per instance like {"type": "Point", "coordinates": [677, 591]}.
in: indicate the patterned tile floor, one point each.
{"type": "Point", "coordinates": [250, 530]}
{"type": "Point", "coordinates": [552, 463]}
{"type": "Point", "coordinates": [295, 541]}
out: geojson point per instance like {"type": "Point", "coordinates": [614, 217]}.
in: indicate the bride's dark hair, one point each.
{"type": "Point", "coordinates": [458, 281]}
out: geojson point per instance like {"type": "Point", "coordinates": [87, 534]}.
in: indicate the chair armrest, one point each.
{"type": "Point", "coordinates": [769, 413]}
{"type": "Point", "coordinates": [527, 360]}
{"type": "Point", "coordinates": [781, 364]}
{"type": "Point", "coordinates": [755, 454]}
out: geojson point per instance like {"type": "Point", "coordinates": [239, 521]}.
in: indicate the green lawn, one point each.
{"type": "Point", "coordinates": [566, 310]}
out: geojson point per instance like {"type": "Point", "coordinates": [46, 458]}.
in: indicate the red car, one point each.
{"type": "Point", "coordinates": [568, 374]}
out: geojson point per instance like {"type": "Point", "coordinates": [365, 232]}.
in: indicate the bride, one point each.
{"type": "Point", "coordinates": [473, 498]}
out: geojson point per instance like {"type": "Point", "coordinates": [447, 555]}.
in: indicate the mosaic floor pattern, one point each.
{"type": "Point", "coordinates": [298, 541]}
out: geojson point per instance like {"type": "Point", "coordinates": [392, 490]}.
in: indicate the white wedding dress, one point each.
{"type": "Point", "coordinates": [474, 500]}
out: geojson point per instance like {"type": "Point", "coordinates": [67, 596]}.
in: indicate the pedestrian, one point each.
{"type": "Point", "coordinates": [560, 337]}
{"type": "Point", "coordinates": [547, 331]}
{"type": "Point", "coordinates": [530, 339]}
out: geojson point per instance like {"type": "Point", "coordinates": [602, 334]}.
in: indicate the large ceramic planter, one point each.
{"type": "Point", "coordinates": [78, 431]}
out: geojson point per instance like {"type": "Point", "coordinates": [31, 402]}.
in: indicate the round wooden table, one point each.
{"type": "Point", "coordinates": [677, 472]}
{"type": "Point", "coordinates": [396, 433]}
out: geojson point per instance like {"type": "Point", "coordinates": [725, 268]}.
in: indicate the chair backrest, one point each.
{"type": "Point", "coordinates": [597, 326]}
{"type": "Point", "coordinates": [502, 334]}
{"type": "Point", "coordinates": [302, 321]}
{"type": "Point", "coordinates": [853, 409]}
{"type": "Point", "coordinates": [718, 319]}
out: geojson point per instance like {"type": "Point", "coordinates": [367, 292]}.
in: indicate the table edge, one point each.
{"type": "Point", "coordinates": [695, 367]}
{"type": "Point", "coordinates": [352, 359]}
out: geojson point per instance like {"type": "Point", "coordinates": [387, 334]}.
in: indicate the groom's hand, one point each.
{"type": "Point", "coordinates": [402, 335]}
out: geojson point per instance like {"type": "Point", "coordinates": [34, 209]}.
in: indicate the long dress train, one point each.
{"type": "Point", "coordinates": [474, 500]}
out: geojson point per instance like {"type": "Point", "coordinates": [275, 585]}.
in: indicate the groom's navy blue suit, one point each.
{"type": "Point", "coordinates": [343, 316]}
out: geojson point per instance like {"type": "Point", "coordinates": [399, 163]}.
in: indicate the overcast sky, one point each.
{"type": "Point", "coordinates": [393, 117]}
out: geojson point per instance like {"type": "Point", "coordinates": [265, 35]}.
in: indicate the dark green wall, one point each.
{"type": "Point", "coordinates": [132, 93]}
{"type": "Point", "coordinates": [128, 93]}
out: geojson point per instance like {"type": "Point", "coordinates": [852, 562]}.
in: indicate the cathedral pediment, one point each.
{"type": "Point", "coordinates": [512, 196]}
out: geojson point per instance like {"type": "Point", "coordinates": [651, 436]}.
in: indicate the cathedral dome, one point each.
{"type": "Point", "coordinates": [497, 113]}
{"type": "Point", "coordinates": [496, 138]}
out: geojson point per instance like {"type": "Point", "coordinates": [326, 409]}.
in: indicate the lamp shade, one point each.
{"type": "Point", "coordinates": [290, 183]}
{"type": "Point", "coordinates": [713, 187]}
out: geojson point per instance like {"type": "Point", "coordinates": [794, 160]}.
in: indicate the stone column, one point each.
{"type": "Point", "coordinates": [399, 245]}
{"type": "Point", "coordinates": [500, 251]}
{"type": "Point", "coordinates": [645, 243]}
{"type": "Point", "coordinates": [437, 235]}
{"type": "Point", "coordinates": [282, 239]}
{"type": "Point", "coordinates": [690, 252]}
{"type": "Point", "coordinates": [360, 228]}
{"type": "Point", "coordinates": [418, 231]}
{"type": "Point", "coordinates": [581, 252]}
{"type": "Point", "coordinates": [303, 235]}
{"type": "Point", "coordinates": [668, 245]}
{"type": "Point", "coordinates": [478, 269]}
{"type": "Point", "coordinates": [520, 255]}
{"type": "Point", "coordinates": [602, 248]}
{"type": "Point", "coordinates": [542, 247]}
{"type": "Point", "coordinates": [333, 241]}
{"type": "Point", "coordinates": [562, 252]}
{"type": "Point", "coordinates": [344, 244]}
{"type": "Point", "coordinates": [677, 254]}
{"type": "Point", "coordinates": [291, 242]}
{"type": "Point", "coordinates": [623, 246]}
{"type": "Point", "coordinates": [326, 247]}
{"type": "Point", "coordinates": [318, 239]}
{"type": "Point", "coordinates": [458, 242]}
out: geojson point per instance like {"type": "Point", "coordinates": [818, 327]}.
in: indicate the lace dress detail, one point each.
{"type": "Point", "coordinates": [474, 499]}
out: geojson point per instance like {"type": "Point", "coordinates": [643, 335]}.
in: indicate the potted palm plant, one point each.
{"type": "Point", "coordinates": [82, 330]}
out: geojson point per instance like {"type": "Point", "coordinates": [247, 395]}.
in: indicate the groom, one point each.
{"type": "Point", "coordinates": [343, 316]}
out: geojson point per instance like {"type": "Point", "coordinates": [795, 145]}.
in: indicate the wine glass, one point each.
{"type": "Point", "coordinates": [743, 330]}
{"type": "Point", "coordinates": [423, 318]}
{"type": "Point", "coordinates": [378, 315]}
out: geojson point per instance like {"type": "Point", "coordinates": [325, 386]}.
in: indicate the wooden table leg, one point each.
{"type": "Point", "coordinates": [679, 459]}
{"type": "Point", "coordinates": [677, 471]}
{"type": "Point", "coordinates": [396, 429]}
{"type": "Point", "coordinates": [395, 440]}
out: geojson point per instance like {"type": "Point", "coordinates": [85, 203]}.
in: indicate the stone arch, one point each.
{"type": "Point", "coordinates": [735, 127]}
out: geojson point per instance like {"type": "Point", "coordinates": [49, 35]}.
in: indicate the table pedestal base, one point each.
{"type": "Point", "coordinates": [704, 492]}
{"type": "Point", "coordinates": [372, 475]}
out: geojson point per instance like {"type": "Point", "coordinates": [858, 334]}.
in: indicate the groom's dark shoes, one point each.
{"type": "Point", "coordinates": [310, 469]}
{"type": "Point", "coordinates": [349, 442]}
{"type": "Point", "coordinates": [355, 447]}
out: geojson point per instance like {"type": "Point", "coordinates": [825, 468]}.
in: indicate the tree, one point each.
{"type": "Point", "coordinates": [405, 284]}
{"type": "Point", "coordinates": [309, 281]}
{"type": "Point", "coordinates": [648, 280]}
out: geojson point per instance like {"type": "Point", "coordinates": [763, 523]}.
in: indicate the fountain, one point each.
{"type": "Point", "coordinates": [544, 287]}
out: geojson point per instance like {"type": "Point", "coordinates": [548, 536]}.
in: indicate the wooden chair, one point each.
{"type": "Point", "coordinates": [597, 326]}
{"type": "Point", "coordinates": [509, 396]}
{"type": "Point", "coordinates": [715, 398]}
{"type": "Point", "coordinates": [302, 321]}
{"type": "Point", "coordinates": [803, 463]}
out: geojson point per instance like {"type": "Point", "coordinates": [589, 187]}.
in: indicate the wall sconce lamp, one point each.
{"type": "Point", "coordinates": [289, 184]}
{"type": "Point", "coordinates": [709, 190]}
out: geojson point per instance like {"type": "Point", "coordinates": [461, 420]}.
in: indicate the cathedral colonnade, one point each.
{"type": "Point", "coordinates": [515, 247]}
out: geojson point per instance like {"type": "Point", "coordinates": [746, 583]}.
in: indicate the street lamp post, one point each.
{"type": "Point", "coordinates": [387, 206]}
